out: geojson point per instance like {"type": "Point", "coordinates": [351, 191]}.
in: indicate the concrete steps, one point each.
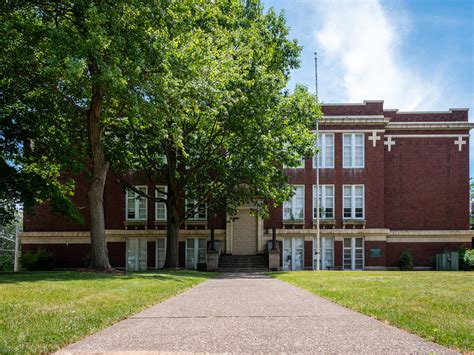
{"type": "Point", "coordinates": [243, 263]}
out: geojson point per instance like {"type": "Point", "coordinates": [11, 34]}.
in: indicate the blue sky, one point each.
{"type": "Point", "coordinates": [414, 55]}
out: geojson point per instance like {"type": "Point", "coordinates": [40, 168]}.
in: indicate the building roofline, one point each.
{"type": "Point", "coordinates": [449, 125]}
{"type": "Point", "coordinates": [424, 112]}
{"type": "Point", "coordinates": [351, 103]}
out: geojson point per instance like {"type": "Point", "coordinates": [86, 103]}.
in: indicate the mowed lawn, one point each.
{"type": "Point", "coordinates": [43, 311]}
{"type": "Point", "coordinates": [438, 306]}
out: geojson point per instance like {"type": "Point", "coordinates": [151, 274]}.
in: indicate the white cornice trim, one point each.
{"type": "Point", "coordinates": [430, 125]}
{"type": "Point", "coordinates": [350, 130]}
{"type": "Point", "coordinates": [355, 120]}
{"type": "Point", "coordinates": [425, 112]}
{"type": "Point", "coordinates": [426, 135]}
{"type": "Point", "coordinates": [352, 104]}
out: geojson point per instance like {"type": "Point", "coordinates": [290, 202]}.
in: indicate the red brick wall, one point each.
{"type": "Point", "coordinates": [338, 253]}
{"type": "Point", "coordinates": [308, 254]}
{"type": "Point", "coordinates": [380, 261]}
{"type": "Point", "coordinates": [40, 218]}
{"type": "Point", "coordinates": [372, 176]}
{"type": "Point", "coordinates": [426, 185]}
{"type": "Point", "coordinates": [423, 253]}
{"type": "Point", "coordinates": [78, 255]}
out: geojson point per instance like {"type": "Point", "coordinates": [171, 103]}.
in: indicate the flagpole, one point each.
{"type": "Point", "coordinates": [318, 237]}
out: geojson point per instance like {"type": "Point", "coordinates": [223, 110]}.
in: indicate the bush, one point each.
{"type": "Point", "coordinates": [469, 259]}
{"type": "Point", "coordinates": [41, 260]}
{"type": "Point", "coordinates": [406, 261]}
{"type": "Point", "coordinates": [466, 258]}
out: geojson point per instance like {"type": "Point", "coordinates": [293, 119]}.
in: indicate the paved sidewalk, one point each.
{"type": "Point", "coordinates": [252, 313]}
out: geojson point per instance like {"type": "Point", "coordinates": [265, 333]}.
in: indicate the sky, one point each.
{"type": "Point", "coordinates": [416, 55]}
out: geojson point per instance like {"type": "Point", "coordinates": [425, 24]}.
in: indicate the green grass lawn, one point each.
{"type": "Point", "coordinates": [438, 306]}
{"type": "Point", "coordinates": [44, 311]}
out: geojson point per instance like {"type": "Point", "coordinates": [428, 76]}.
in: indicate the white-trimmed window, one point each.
{"type": "Point", "coordinates": [293, 209]}
{"type": "Point", "coordinates": [326, 201]}
{"type": "Point", "coordinates": [353, 254]}
{"type": "Point", "coordinates": [326, 248]}
{"type": "Point", "coordinates": [200, 211]}
{"type": "Point", "coordinates": [353, 204]}
{"type": "Point", "coordinates": [160, 253]}
{"type": "Point", "coordinates": [136, 205]}
{"type": "Point", "coordinates": [353, 150]}
{"type": "Point", "coordinates": [160, 207]}
{"type": "Point", "coordinates": [325, 143]}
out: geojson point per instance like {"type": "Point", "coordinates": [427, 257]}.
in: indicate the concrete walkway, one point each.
{"type": "Point", "coordinates": [252, 313]}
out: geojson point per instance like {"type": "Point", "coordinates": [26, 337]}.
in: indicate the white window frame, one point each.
{"type": "Point", "coordinates": [352, 147]}
{"type": "Point", "coordinates": [293, 252]}
{"type": "Point", "coordinates": [353, 200]}
{"type": "Point", "coordinates": [137, 204]}
{"type": "Point", "coordinates": [165, 189]}
{"type": "Point", "coordinates": [353, 249]}
{"type": "Point", "coordinates": [195, 216]}
{"type": "Point", "coordinates": [195, 250]}
{"type": "Point", "coordinates": [322, 153]}
{"type": "Point", "coordinates": [292, 198]}
{"type": "Point", "coordinates": [323, 252]}
{"type": "Point", "coordinates": [156, 252]}
{"type": "Point", "coordinates": [323, 201]}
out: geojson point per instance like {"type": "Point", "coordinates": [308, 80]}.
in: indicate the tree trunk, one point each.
{"type": "Point", "coordinates": [99, 254]}
{"type": "Point", "coordinates": [172, 232]}
{"type": "Point", "coordinates": [173, 217]}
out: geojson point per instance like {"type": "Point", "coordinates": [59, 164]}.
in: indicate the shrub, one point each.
{"type": "Point", "coordinates": [406, 261]}
{"type": "Point", "coordinates": [469, 259]}
{"type": "Point", "coordinates": [41, 260]}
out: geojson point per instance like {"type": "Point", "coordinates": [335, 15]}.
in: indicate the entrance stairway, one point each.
{"type": "Point", "coordinates": [243, 263]}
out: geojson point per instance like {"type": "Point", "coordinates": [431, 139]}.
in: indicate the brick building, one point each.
{"type": "Point", "coordinates": [390, 181]}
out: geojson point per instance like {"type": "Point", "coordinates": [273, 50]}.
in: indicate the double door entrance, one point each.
{"type": "Point", "coordinates": [293, 253]}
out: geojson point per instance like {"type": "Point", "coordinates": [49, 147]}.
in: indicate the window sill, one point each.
{"type": "Point", "coordinates": [199, 224]}
{"type": "Point", "coordinates": [135, 223]}
{"type": "Point", "coordinates": [294, 222]}
{"type": "Point", "coordinates": [353, 223]}
{"type": "Point", "coordinates": [324, 221]}
{"type": "Point", "coordinates": [196, 221]}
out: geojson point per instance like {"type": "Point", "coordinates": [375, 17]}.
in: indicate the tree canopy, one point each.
{"type": "Point", "coordinates": [224, 125]}
{"type": "Point", "coordinates": [192, 92]}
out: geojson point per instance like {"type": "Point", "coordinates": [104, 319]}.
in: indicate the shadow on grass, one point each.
{"type": "Point", "coordinates": [162, 275]}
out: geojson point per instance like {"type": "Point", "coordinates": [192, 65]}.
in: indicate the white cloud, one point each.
{"type": "Point", "coordinates": [360, 45]}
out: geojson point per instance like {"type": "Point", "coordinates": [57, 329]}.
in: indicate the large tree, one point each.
{"type": "Point", "coordinates": [69, 69]}
{"type": "Point", "coordinates": [224, 126]}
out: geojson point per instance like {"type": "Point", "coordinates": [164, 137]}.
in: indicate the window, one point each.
{"type": "Point", "coordinates": [353, 205]}
{"type": "Point", "coordinates": [160, 253]}
{"type": "Point", "coordinates": [327, 253]}
{"type": "Point", "coordinates": [196, 251]}
{"type": "Point", "coordinates": [353, 254]}
{"type": "Point", "coordinates": [136, 205]}
{"type": "Point", "coordinates": [199, 211]}
{"type": "Point", "coordinates": [293, 253]}
{"type": "Point", "coordinates": [293, 209]}
{"type": "Point", "coordinates": [353, 150]}
{"type": "Point", "coordinates": [136, 254]}
{"type": "Point", "coordinates": [326, 201]}
{"type": "Point", "coordinates": [325, 157]}
{"type": "Point", "coordinates": [160, 207]}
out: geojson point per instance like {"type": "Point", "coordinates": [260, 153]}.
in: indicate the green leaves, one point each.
{"type": "Point", "coordinates": [218, 104]}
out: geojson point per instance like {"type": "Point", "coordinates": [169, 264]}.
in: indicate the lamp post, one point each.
{"type": "Point", "coordinates": [318, 237]}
